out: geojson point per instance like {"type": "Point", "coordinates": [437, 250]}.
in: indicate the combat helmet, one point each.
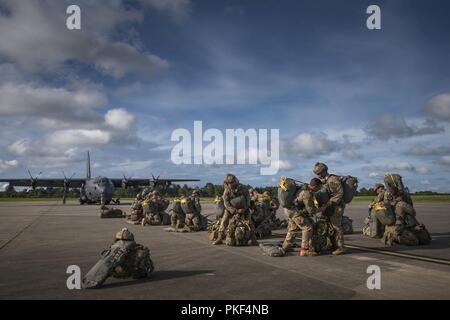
{"type": "Point", "coordinates": [124, 234]}
{"type": "Point", "coordinates": [320, 167]}
{"type": "Point", "coordinates": [378, 185]}
{"type": "Point", "coordinates": [230, 179]}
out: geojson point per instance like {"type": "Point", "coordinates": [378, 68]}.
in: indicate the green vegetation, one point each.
{"type": "Point", "coordinates": [415, 197]}
{"type": "Point", "coordinates": [208, 192]}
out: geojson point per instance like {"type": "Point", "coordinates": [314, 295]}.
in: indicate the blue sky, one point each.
{"type": "Point", "coordinates": [365, 102]}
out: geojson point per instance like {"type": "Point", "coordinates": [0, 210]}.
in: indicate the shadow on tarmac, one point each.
{"type": "Point", "coordinates": [158, 276]}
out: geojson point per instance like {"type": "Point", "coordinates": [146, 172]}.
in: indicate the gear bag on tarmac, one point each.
{"type": "Point", "coordinates": [111, 258]}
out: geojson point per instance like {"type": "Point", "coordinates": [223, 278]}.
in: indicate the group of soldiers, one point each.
{"type": "Point", "coordinates": [322, 199]}
{"type": "Point", "coordinates": [149, 208]}
{"type": "Point", "coordinates": [315, 213]}
{"type": "Point", "coordinates": [392, 216]}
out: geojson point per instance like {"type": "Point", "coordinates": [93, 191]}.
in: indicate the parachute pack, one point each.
{"type": "Point", "coordinates": [350, 186]}
{"type": "Point", "coordinates": [188, 205]}
{"type": "Point", "coordinates": [111, 258]}
{"type": "Point", "coordinates": [394, 183]}
{"type": "Point", "coordinates": [289, 188]}
{"type": "Point", "coordinates": [287, 192]}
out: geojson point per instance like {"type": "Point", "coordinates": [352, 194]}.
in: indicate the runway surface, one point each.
{"type": "Point", "coordinates": [38, 241]}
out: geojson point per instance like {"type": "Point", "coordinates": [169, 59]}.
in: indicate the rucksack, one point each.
{"type": "Point", "coordinates": [350, 186]}
{"type": "Point", "coordinates": [287, 192]}
{"type": "Point", "coordinates": [239, 202]}
{"type": "Point", "coordinates": [188, 205]}
{"type": "Point", "coordinates": [394, 183]}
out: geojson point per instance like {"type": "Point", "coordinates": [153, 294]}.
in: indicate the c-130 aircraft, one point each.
{"type": "Point", "coordinates": [92, 190]}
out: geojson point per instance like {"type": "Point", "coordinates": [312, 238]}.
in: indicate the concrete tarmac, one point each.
{"type": "Point", "coordinates": [38, 241]}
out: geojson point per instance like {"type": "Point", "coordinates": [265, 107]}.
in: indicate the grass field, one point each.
{"type": "Point", "coordinates": [416, 198]}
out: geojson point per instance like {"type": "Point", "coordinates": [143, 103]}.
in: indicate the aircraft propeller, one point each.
{"type": "Point", "coordinates": [67, 181]}
{"type": "Point", "coordinates": [125, 181]}
{"type": "Point", "coordinates": [34, 180]}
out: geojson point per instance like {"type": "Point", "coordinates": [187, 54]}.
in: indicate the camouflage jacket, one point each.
{"type": "Point", "coordinates": [335, 189]}
{"type": "Point", "coordinates": [305, 203]}
{"type": "Point", "coordinates": [230, 194]}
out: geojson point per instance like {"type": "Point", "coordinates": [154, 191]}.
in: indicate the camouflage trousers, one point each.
{"type": "Point", "coordinates": [298, 223]}
{"type": "Point", "coordinates": [193, 222]}
{"type": "Point", "coordinates": [153, 219]}
{"type": "Point", "coordinates": [136, 215]}
{"type": "Point", "coordinates": [177, 221]}
{"type": "Point", "coordinates": [335, 214]}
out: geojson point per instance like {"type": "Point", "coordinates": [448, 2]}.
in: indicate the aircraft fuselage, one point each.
{"type": "Point", "coordinates": [94, 189]}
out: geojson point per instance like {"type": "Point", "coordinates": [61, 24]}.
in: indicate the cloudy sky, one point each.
{"type": "Point", "coordinates": [365, 102]}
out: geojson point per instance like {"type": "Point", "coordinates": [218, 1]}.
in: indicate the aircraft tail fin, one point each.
{"type": "Point", "coordinates": [88, 166]}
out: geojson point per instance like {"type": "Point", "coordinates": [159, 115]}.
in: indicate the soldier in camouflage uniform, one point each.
{"type": "Point", "coordinates": [260, 215]}
{"type": "Point", "coordinates": [124, 259]}
{"type": "Point", "coordinates": [137, 212]}
{"type": "Point", "coordinates": [301, 220]}
{"type": "Point", "coordinates": [232, 191]}
{"type": "Point", "coordinates": [154, 207]}
{"type": "Point", "coordinates": [336, 205]}
{"type": "Point", "coordinates": [193, 218]}
{"type": "Point", "coordinates": [380, 190]}
{"type": "Point", "coordinates": [406, 230]}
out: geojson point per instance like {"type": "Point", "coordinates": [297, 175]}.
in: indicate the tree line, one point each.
{"type": "Point", "coordinates": [209, 190]}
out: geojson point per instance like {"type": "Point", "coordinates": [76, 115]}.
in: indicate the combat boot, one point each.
{"type": "Point", "coordinates": [254, 241]}
{"type": "Point", "coordinates": [338, 251]}
{"type": "Point", "coordinates": [307, 253]}
{"type": "Point", "coordinates": [219, 239]}
{"type": "Point", "coordinates": [287, 247]}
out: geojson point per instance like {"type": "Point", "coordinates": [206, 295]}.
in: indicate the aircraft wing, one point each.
{"type": "Point", "coordinates": [147, 182]}
{"type": "Point", "coordinates": [53, 183]}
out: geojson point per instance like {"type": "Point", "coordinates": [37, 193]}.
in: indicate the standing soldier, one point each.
{"type": "Point", "coordinates": [300, 220]}
{"type": "Point", "coordinates": [233, 191]}
{"type": "Point", "coordinates": [336, 205]}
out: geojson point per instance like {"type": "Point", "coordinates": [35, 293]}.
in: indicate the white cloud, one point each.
{"type": "Point", "coordinates": [41, 24]}
{"type": "Point", "coordinates": [57, 106]}
{"type": "Point", "coordinates": [119, 119]}
{"type": "Point", "coordinates": [406, 166]}
{"type": "Point", "coordinates": [444, 160]}
{"type": "Point", "coordinates": [389, 126]}
{"type": "Point", "coordinates": [428, 151]}
{"type": "Point", "coordinates": [6, 165]}
{"type": "Point", "coordinates": [439, 107]}
{"type": "Point", "coordinates": [129, 166]}
{"type": "Point", "coordinates": [309, 144]}
{"type": "Point", "coordinates": [375, 175]}
{"type": "Point", "coordinates": [285, 165]}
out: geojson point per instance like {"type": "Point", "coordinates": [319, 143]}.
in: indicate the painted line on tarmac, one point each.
{"type": "Point", "coordinates": [38, 217]}
{"type": "Point", "coordinates": [401, 255]}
